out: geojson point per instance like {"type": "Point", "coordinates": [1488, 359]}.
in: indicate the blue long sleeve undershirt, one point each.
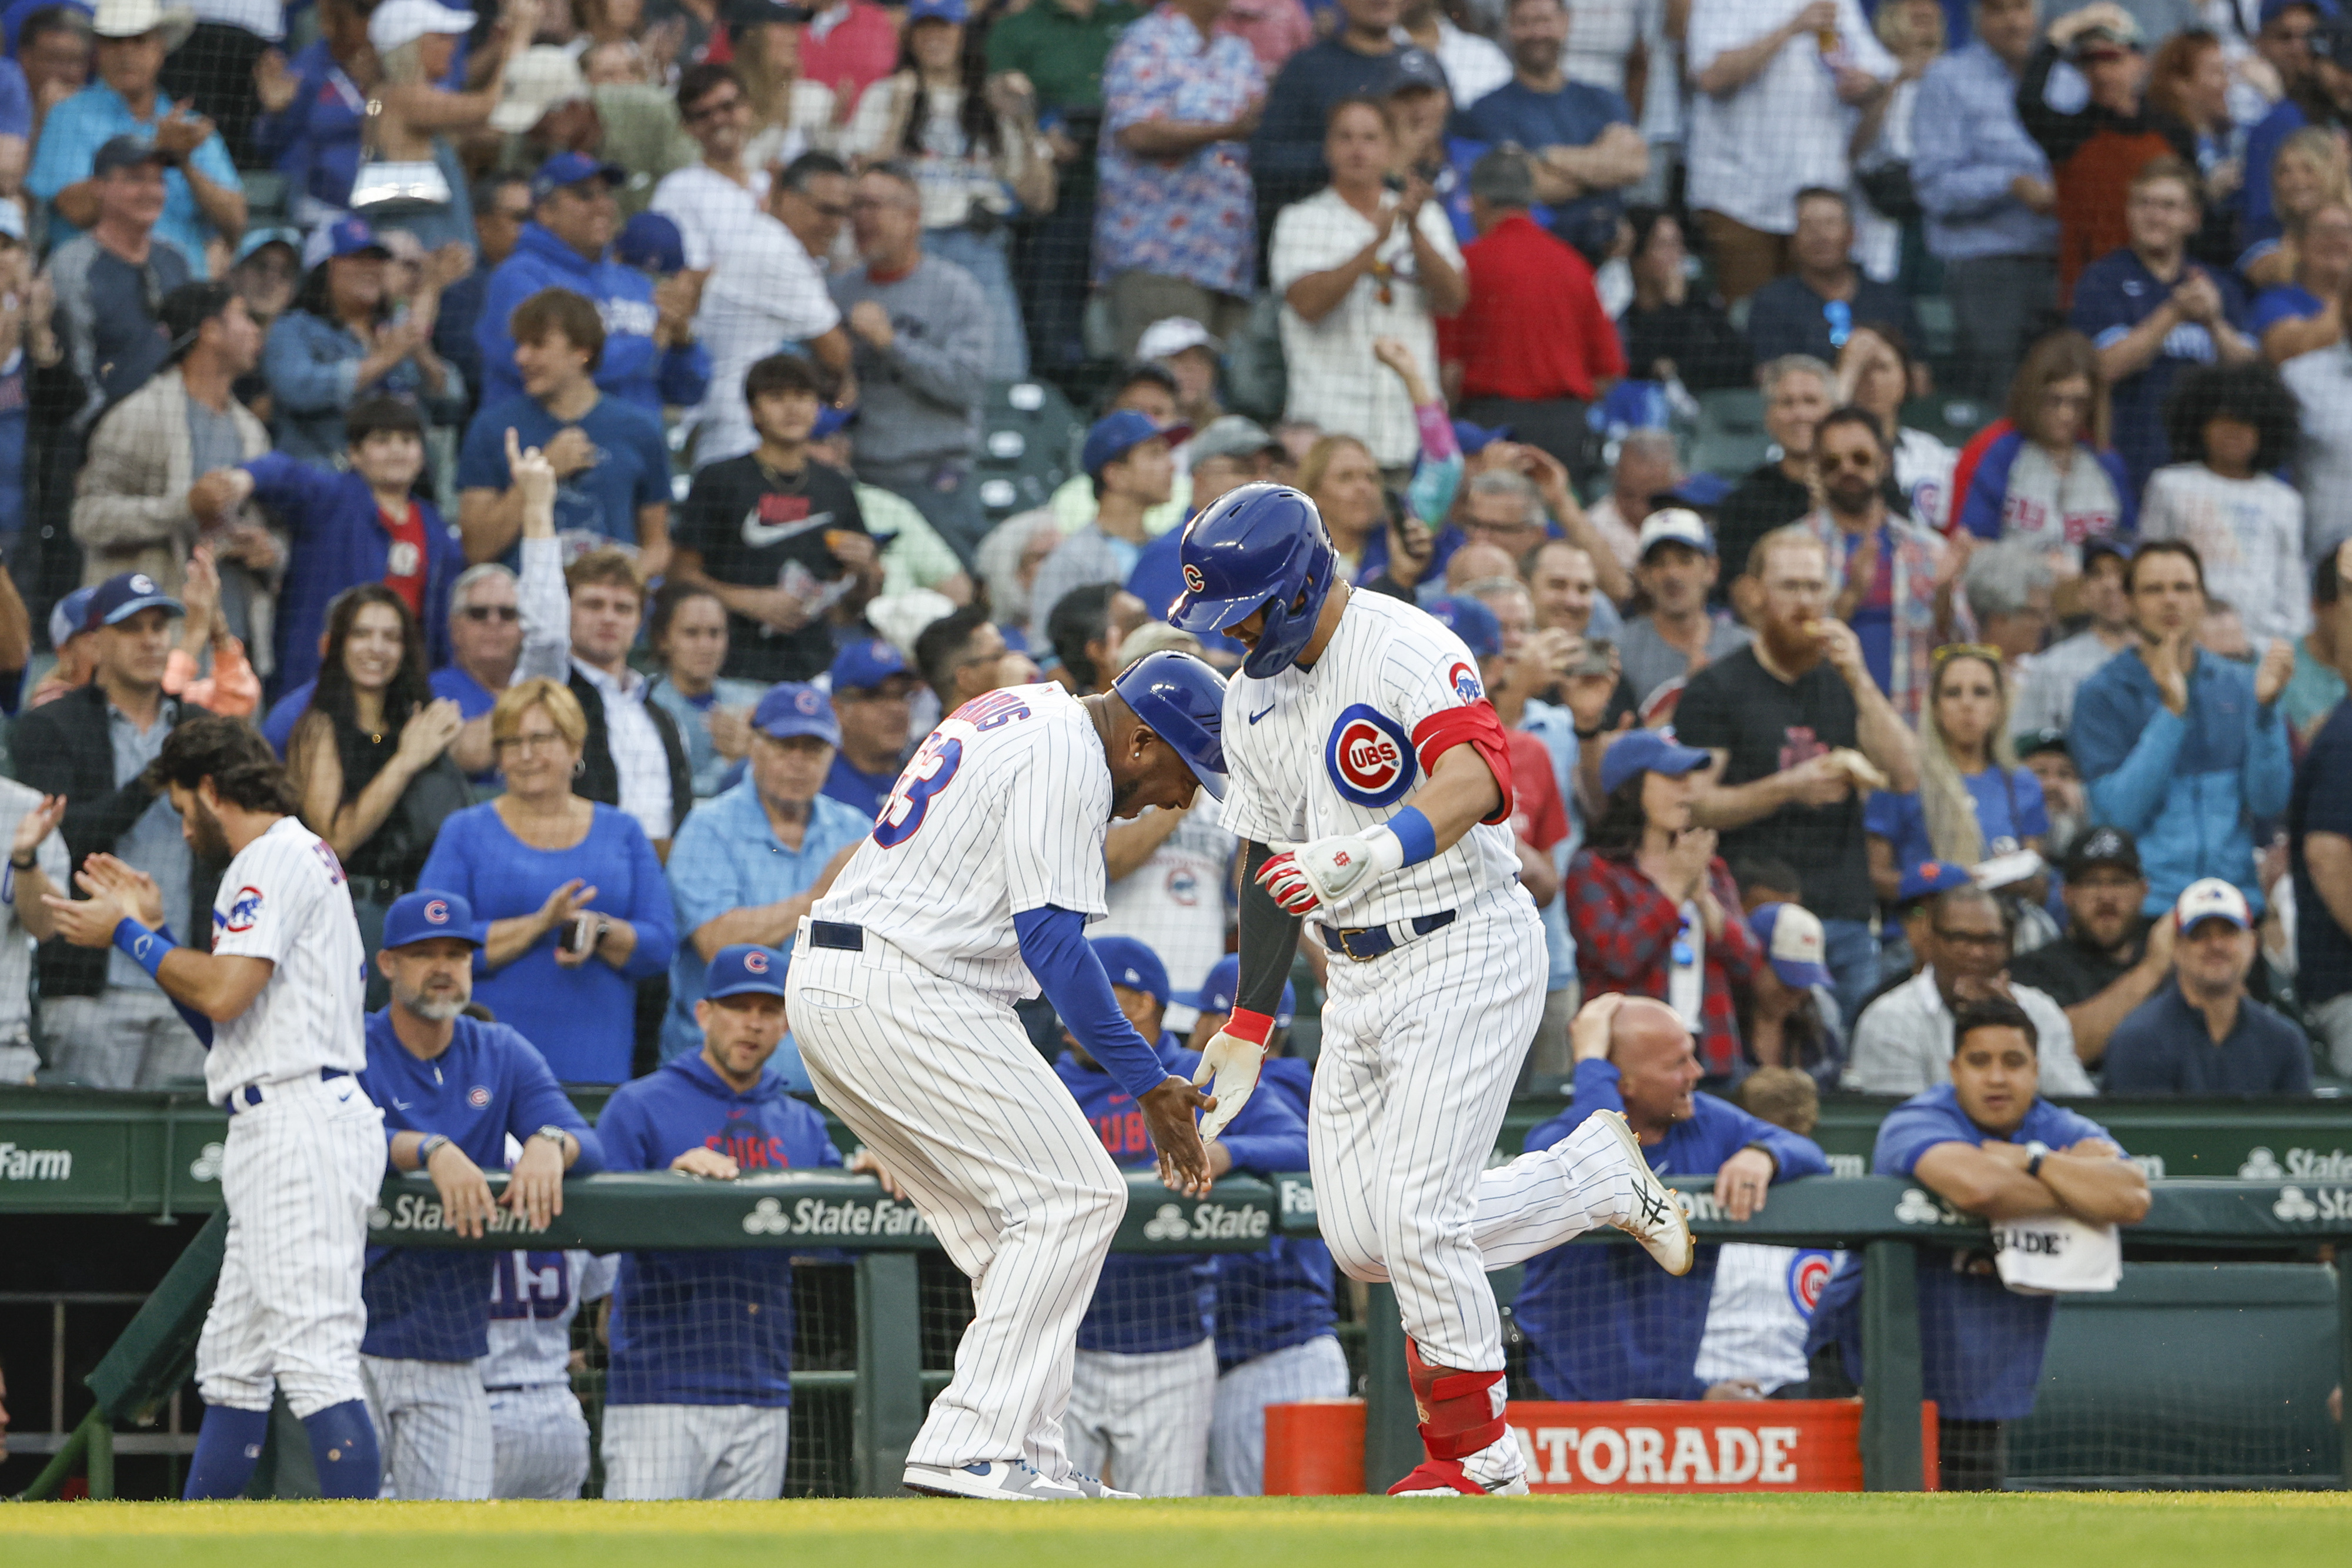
{"type": "Point", "coordinates": [1054, 946]}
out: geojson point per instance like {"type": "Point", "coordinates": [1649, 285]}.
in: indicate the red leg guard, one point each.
{"type": "Point", "coordinates": [1458, 1410]}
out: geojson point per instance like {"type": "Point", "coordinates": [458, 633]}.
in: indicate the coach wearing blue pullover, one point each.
{"type": "Point", "coordinates": [1602, 1321]}
{"type": "Point", "coordinates": [453, 1091]}
{"type": "Point", "coordinates": [650, 355]}
{"type": "Point", "coordinates": [698, 1401]}
{"type": "Point", "coordinates": [2182, 748]}
{"type": "Point", "coordinates": [1147, 1367]}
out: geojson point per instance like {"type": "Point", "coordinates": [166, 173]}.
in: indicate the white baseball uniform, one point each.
{"type": "Point", "coordinates": [433, 1420]}
{"type": "Point", "coordinates": [1312, 1369]}
{"type": "Point", "coordinates": [304, 1158]}
{"type": "Point", "coordinates": [1420, 1045]}
{"type": "Point", "coordinates": [538, 1438]}
{"type": "Point", "coordinates": [914, 1043]}
{"type": "Point", "coordinates": [1141, 1422]}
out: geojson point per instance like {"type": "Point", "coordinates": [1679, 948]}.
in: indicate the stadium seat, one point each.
{"type": "Point", "coordinates": [1731, 408]}
{"type": "Point", "coordinates": [1028, 446]}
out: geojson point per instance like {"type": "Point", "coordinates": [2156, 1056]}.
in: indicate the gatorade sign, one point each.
{"type": "Point", "coordinates": [1778, 1445]}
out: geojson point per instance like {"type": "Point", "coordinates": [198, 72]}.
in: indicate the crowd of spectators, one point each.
{"type": "Point", "coordinates": [1891, 464]}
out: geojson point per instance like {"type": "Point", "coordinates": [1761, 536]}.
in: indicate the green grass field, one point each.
{"type": "Point", "coordinates": [2143, 1531]}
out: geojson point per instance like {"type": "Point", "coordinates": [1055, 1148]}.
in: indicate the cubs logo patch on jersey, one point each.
{"type": "Point", "coordinates": [1808, 1273]}
{"type": "Point", "coordinates": [1370, 757]}
{"type": "Point", "coordinates": [1464, 679]}
{"type": "Point", "coordinates": [243, 910]}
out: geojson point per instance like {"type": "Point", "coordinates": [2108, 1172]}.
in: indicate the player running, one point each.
{"type": "Point", "coordinates": [278, 1001]}
{"type": "Point", "coordinates": [1371, 786]}
{"type": "Point", "coordinates": [974, 892]}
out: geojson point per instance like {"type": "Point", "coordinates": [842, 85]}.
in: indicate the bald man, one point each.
{"type": "Point", "coordinates": [1601, 1323]}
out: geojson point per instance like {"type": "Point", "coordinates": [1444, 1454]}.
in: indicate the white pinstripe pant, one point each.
{"type": "Point", "coordinates": [1141, 1422]}
{"type": "Point", "coordinates": [942, 1084]}
{"type": "Point", "coordinates": [1420, 1050]}
{"type": "Point", "coordinates": [696, 1452]}
{"type": "Point", "coordinates": [433, 1423]}
{"type": "Point", "coordinates": [299, 1174]}
{"type": "Point", "coordinates": [1313, 1369]}
{"type": "Point", "coordinates": [539, 1442]}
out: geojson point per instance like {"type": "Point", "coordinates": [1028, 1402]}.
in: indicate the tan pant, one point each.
{"type": "Point", "coordinates": [1745, 259]}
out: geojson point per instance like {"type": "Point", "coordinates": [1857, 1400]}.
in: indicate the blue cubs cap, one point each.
{"type": "Point", "coordinates": [1930, 877]}
{"type": "Point", "coordinates": [1793, 943]}
{"type": "Point", "coordinates": [937, 11]}
{"type": "Point", "coordinates": [865, 664]}
{"type": "Point", "coordinates": [1116, 434]}
{"type": "Point", "coordinates": [1129, 963]}
{"type": "Point", "coordinates": [796, 707]}
{"type": "Point", "coordinates": [571, 169]}
{"type": "Point", "coordinates": [1475, 438]}
{"type": "Point", "coordinates": [255, 238]}
{"type": "Point", "coordinates": [1473, 623]}
{"type": "Point", "coordinates": [124, 151]}
{"type": "Point", "coordinates": [352, 237]}
{"type": "Point", "coordinates": [71, 618]}
{"type": "Point", "coordinates": [1183, 701]}
{"type": "Point", "coordinates": [745, 969]}
{"type": "Point", "coordinates": [1224, 979]}
{"type": "Point", "coordinates": [123, 595]}
{"type": "Point", "coordinates": [650, 243]}
{"type": "Point", "coordinates": [1647, 751]}
{"type": "Point", "coordinates": [424, 914]}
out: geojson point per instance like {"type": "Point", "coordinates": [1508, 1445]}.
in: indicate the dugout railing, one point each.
{"type": "Point", "coordinates": [1885, 1218]}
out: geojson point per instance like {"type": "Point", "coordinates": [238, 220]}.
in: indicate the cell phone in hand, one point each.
{"type": "Point", "coordinates": [579, 935]}
{"type": "Point", "coordinates": [1598, 652]}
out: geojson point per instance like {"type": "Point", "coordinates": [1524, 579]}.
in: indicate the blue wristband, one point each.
{"type": "Point", "coordinates": [145, 947]}
{"type": "Point", "coordinates": [1413, 831]}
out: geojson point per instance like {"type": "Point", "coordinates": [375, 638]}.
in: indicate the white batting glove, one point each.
{"type": "Point", "coordinates": [1233, 1063]}
{"type": "Point", "coordinates": [1326, 873]}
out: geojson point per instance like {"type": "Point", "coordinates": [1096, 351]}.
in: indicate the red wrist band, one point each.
{"type": "Point", "coordinates": [1243, 1024]}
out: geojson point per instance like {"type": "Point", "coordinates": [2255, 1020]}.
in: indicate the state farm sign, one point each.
{"type": "Point", "coordinates": [1780, 1445]}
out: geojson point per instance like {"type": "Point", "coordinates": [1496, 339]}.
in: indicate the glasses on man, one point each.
{"type": "Point", "coordinates": [499, 612]}
{"type": "Point", "coordinates": [1860, 462]}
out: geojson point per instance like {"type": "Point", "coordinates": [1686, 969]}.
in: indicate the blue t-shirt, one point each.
{"type": "Point", "coordinates": [2116, 294]}
{"type": "Point", "coordinates": [2010, 810]}
{"type": "Point", "coordinates": [2163, 1046]}
{"type": "Point", "coordinates": [1605, 1323]}
{"type": "Point", "coordinates": [430, 1303]}
{"type": "Point", "coordinates": [1148, 1303]}
{"type": "Point", "coordinates": [1575, 116]}
{"type": "Point", "coordinates": [631, 470]}
{"type": "Point", "coordinates": [861, 791]}
{"type": "Point", "coordinates": [1980, 1343]}
{"type": "Point", "coordinates": [705, 1328]}
{"type": "Point", "coordinates": [473, 698]}
{"type": "Point", "coordinates": [1283, 1296]}
{"type": "Point", "coordinates": [2282, 302]}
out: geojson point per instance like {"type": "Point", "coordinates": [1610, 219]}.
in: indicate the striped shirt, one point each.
{"type": "Point", "coordinates": [283, 898]}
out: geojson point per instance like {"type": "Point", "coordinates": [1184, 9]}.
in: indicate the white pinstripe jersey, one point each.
{"type": "Point", "coordinates": [1334, 749]}
{"type": "Point", "coordinates": [1002, 809]}
{"type": "Point", "coordinates": [283, 898]}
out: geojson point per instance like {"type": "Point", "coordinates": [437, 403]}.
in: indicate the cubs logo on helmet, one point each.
{"type": "Point", "coordinates": [755, 963]}
{"type": "Point", "coordinates": [1807, 1276]}
{"type": "Point", "coordinates": [243, 909]}
{"type": "Point", "coordinates": [436, 912]}
{"type": "Point", "coordinates": [1465, 681]}
{"type": "Point", "coordinates": [1370, 757]}
{"type": "Point", "coordinates": [1193, 582]}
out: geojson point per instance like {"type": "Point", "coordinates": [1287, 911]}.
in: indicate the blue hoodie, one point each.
{"type": "Point", "coordinates": [2186, 787]}
{"type": "Point", "coordinates": [1148, 1303]}
{"type": "Point", "coordinates": [1281, 1297]}
{"type": "Point", "coordinates": [432, 1303]}
{"type": "Point", "coordinates": [1606, 1322]}
{"type": "Point", "coordinates": [705, 1328]}
{"type": "Point", "coordinates": [632, 368]}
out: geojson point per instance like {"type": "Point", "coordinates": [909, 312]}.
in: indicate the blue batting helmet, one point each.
{"type": "Point", "coordinates": [1258, 546]}
{"type": "Point", "coordinates": [1183, 701]}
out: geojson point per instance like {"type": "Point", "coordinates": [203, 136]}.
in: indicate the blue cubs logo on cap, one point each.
{"type": "Point", "coordinates": [141, 583]}
{"type": "Point", "coordinates": [1193, 582]}
{"type": "Point", "coordinates": [1369, 756]}
{"type": "Point", "coordinates": [806, 701]}
{"type": "Point", "coordinates": [437, 912]}
{"type": "Point", "coordinates": [755, 963]}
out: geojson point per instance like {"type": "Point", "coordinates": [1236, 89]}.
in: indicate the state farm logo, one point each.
{"type": "Point", "coordinates": [1208, 1222]}
{"type": "Point", "coordinates": [34, 1164]}
{"type": "Point", "coordinates": [409, 1212]}
{"type": "Point", "coordinates": [834, 1216]}
{"type": "Point", "coordinates": [1369, 758]}
{"type": "Point", "coordinates": [766, 1218]}
{"type": "Point", "coordinates": [206, 1165]}
{"type": "Point", "coordinates": [2301, 1165]}
{"type": "Point", "coordinates": [1168, 1225]}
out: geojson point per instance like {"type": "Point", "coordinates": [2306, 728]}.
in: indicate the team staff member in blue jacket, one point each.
{"type": "Point", "coordinates": [650, 355]}
{"type": "Point", "coordinates": [1987, 1144]}
{"type": "Point", "coordinates": [1147, 1369]}
{"type": "Point", "coordinates": [698, 1401]}
{"type": "Point", "coordinates": [2180, 748]}
{"type": "Point", "coordinates": [453, 1090]}
{"type": "Point", "coordinates": [1602, 1321]}
{"type": "Point", "coordinates": [1275, 1345]}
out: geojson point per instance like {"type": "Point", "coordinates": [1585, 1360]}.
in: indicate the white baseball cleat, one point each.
{"type": "Point", "coordinates": [1099, 1489]}
{"type": "Point", "coordinates": [997, 1480]}
{"type": "Point", "coordinates": [1656, 1221]}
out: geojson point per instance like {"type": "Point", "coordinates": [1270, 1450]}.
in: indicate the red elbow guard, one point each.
{"type": "Point", "coordinates": [1477, 727]}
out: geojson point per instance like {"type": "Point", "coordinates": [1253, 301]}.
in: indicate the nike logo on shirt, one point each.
{"type": "Point", "coordinates": [1261, 713]}
{"type": "Point", "coordinates": [760, 535]}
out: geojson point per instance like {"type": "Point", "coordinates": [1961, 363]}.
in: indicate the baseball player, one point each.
{"type": "Point", "coordinates": [453, 1089]}
{"type": "Point", "coordinates": [1275, 1345]}
{"type": "Point", "coordinates": [539, 1438]}
{"type": "Point", "coordinates": [1372, 790]}
{"type": "Point", "coordinates": [278, 998]}
{"type": "Point", "coordinates": [972, 893]}
{"type": "Point", "coordinates": [698, 1403]}
{"type": "Point", "coordinates": [1147, 1365]}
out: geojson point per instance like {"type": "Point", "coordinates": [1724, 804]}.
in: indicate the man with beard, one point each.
{"type": "Point", "coordinates": [2106, 964]}
{"type": "Point", "coordinates": [453, 1090]}
{"type": "Point", "coordinates": [1883, 566]}
{"type": "Point", "coordinates": [1581, 138]}
{"type": "Point", "coordinates": [1783, 717]}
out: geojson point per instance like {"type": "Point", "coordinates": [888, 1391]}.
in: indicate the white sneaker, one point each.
{"type": "Point", "coordinates": [1656, 1218]}
{"type": "Point", "coordinates": [1094, 1489]}
{"type": "Point", "coordinates": [999, 1481]}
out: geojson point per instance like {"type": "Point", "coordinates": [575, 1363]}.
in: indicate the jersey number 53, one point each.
{"type": "Point", "coordinates": [933, 766]}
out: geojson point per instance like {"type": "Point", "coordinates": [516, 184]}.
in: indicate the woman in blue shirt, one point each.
{"type": "Point", "coordinates": [1974, 801]}
{"type": "Point", "coordinates": [573, 906]}
{"type": "Point", "coordinates": [342, 339]}
{"type": "Point", "coordinates": [689, 634]}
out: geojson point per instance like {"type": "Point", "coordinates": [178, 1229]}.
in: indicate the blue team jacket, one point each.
{"type": "Point", "coordinates": [705, 1328]}
{"type": "Point", "coordinates": [434, 1303]}
{"type": "Point", "coordinates": [1273, 1300]}
{"type": "Point", "coordinates": [1980, 1343]}
{"type": "Point", "coordinates": [632, 368]}
{"type": "Point", "coordinates": [1605, 1322]}
{"type": "Point", "coordinates": [1148, 1303]}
